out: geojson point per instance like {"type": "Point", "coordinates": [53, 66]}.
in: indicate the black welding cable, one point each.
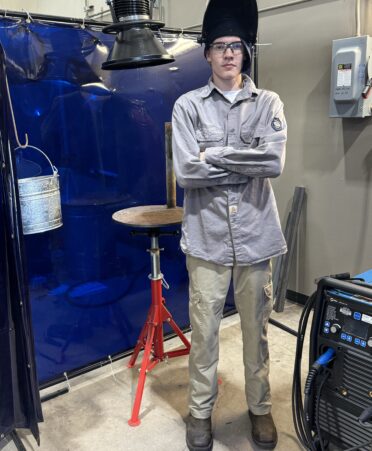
{"type": "Point", "coordinates": [310, 380]}
{"type": "Point", "coordinates": [301, 425]}
{"type": "Point", "coordinates": [296, 389]}
{"type": "Point", "coordinates": [317, 408]}
{"type": "Point", "coordinates": [316, 370]}
{"type": "Point", "coordinates": [356, 448]}
{"type": "Point", "coordinates": [297, 404]}
{"type": "Point", "coordinates": [365, 417]}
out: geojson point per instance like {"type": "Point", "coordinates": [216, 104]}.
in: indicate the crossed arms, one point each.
{"type": "Point", "coordinates": [224, 165]}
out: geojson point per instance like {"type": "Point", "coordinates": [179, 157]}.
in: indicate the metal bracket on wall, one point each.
{"type": "Point", "coordinates": [283, 263]}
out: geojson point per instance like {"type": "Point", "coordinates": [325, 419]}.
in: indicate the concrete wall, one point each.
{"type": "Point", "coordinates": [332, 158]}
{"type": "Point", "coordinates": [183, 14]}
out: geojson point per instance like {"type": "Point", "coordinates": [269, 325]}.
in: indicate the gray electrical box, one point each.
{"type": "Point", "coordinates": [351, 83]}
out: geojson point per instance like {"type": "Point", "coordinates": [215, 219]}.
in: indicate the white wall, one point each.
{"type": "Point", "coordinates": [332, 158]}
{"type": "Point", "coordinates": [68, 8]}
{"type": "Point", "coordinates": [179, 14]}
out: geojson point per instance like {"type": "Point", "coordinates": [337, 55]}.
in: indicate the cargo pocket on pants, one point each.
{"type": "Point", "coordinates": [267, 302]}
{"type": "Point", "coordinates": [196, 311]}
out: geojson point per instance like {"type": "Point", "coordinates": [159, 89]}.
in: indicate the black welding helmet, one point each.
{"type": "Point", "coordinates": [231, 18]}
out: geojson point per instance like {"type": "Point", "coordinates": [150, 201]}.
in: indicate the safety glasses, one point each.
{"type": "Point", "coordinates": [220, 47]}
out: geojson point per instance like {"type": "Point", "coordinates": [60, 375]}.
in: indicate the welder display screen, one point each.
{"type": "Point", "coordinates": [356, 328]}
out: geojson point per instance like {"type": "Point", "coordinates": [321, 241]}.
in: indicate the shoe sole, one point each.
{"type": "Point", "coordinates": [200, 448]}
{"type": "Point", "coordinates": [265, 445]}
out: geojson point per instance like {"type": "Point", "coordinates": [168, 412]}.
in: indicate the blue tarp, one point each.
{"type": "Point", "coordinates": [104, 131]}
{"type": "Point", "coordinates": [19, 392]}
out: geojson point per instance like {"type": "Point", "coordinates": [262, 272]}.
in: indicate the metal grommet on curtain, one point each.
{"type": "Point", "coordinates": [29, 17]}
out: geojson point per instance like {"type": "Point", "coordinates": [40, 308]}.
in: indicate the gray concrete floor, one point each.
{"type": "Point", "coordinates": [94, 414]}
{"type": "Point", "coordinates": [7, 444]}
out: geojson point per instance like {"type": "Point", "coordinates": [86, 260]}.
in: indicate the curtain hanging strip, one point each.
{"type": "Point", "coordinates": [74, 21]}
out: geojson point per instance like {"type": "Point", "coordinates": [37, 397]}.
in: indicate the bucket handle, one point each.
{"type": "Point", "coordinates": [54, 169]}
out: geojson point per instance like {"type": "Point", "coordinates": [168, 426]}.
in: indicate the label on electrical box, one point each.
{"type": "Point", "coordinates": [344, 74]}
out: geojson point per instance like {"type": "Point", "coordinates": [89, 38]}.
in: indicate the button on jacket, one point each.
{"type": "Point", "coordinates": [230, 212]}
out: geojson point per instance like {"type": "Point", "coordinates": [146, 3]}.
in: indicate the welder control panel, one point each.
{"type": "Point", "coordinates": [348, 321]}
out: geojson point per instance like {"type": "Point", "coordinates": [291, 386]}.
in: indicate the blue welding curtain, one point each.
{"type": "Point", "coordinates": [104, 131]}
{"type": "Point", "coordinates": [19, 392]}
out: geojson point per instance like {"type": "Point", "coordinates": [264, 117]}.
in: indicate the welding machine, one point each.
{"type": "Point", "coordinates": [337, 408]}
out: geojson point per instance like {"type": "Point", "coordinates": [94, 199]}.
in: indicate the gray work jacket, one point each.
{"type": "Point", "coordinates": [230, 213]}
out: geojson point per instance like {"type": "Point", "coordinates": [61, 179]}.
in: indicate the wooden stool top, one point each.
{"type": "Point", "coordinates": [149, 216]}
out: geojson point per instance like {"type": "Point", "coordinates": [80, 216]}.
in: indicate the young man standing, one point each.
{"type": "Point", "coordinates": [228, 139]}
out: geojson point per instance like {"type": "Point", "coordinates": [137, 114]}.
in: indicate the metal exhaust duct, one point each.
{"type": "Point", "coordinates": [135, 44]}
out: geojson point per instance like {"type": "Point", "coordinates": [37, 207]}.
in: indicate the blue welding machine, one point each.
{"type": "Point", "coordinates": [337, 408]}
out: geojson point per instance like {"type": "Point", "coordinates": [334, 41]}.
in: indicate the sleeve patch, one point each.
{"type": "Point", "coordinates": [276, 124]}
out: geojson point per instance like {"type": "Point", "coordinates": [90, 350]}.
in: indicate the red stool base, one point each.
{"type": "Point", "coordinates": [151, 339]}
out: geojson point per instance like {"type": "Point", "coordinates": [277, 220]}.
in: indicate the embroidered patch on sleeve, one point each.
{"type": "Point", "coordinates": [276, 124]}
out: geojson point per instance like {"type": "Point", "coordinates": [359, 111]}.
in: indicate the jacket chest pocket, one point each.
{"type": "Point", "coordinates": [247, 135]}
{"type": "Point", "coordinates": [209, 136]}
{"type": "Point", "coordinates": [250, 137]}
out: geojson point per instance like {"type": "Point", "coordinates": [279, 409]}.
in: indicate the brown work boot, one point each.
{"type": "Point", "coordinates": [199, 434]}
{"type": "Point", "coordinates": [263, 430]}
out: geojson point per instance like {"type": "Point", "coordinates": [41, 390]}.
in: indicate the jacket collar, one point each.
{"type": "Point", "coordinates": [249, 89]}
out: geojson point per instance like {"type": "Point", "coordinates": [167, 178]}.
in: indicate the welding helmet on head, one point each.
{"type": "Point", "coordinates": [231, 18]}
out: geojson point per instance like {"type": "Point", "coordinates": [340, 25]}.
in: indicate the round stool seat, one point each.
{"type": "Point", "coordinates": [149, 216]}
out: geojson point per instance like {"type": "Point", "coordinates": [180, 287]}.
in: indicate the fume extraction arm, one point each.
{"type": "Point", "coordinates": [135, 44]}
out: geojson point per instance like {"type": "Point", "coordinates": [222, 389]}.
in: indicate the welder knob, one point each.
{"type": "Point", "coordinates": [369, 342]}
{"type": "Point", "coordinates": [335, 328]}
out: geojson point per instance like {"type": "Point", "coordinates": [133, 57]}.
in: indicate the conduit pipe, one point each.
{"type": "Point", "coordinates": [357, 16]}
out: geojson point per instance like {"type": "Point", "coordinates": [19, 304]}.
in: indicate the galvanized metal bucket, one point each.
{"type": "Point", "coordinates": [40, 201]}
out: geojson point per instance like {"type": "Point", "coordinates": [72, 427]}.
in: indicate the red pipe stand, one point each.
{"type": "Point", "coordinates": [151, 338]}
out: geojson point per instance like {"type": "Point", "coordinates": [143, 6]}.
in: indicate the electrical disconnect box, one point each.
{"type": "Point", "coordinates": [351, 83]}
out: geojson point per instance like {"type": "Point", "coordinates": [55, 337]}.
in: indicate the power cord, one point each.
{"type": "Point", "coordinates": [357, 448]}
{"type": "Point", "coordinates": [301, 424]}
{"type": "Point", "coordinates": [317, 409]}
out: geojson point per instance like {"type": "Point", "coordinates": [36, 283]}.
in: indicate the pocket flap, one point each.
{"type": "Point", "coordinates": [209, 134]}
{"type": "Point", "coordinates": [247, 134]}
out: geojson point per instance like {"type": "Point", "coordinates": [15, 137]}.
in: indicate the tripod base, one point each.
{"type": "Point", "coordinates": [151, 339]}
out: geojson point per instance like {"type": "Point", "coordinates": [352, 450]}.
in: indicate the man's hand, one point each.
{"type": "Point", "coordinates": [202, 154]}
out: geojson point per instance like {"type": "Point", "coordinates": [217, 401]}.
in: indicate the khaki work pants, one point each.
{"type": "Point", "coordinates": [209, 284]}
